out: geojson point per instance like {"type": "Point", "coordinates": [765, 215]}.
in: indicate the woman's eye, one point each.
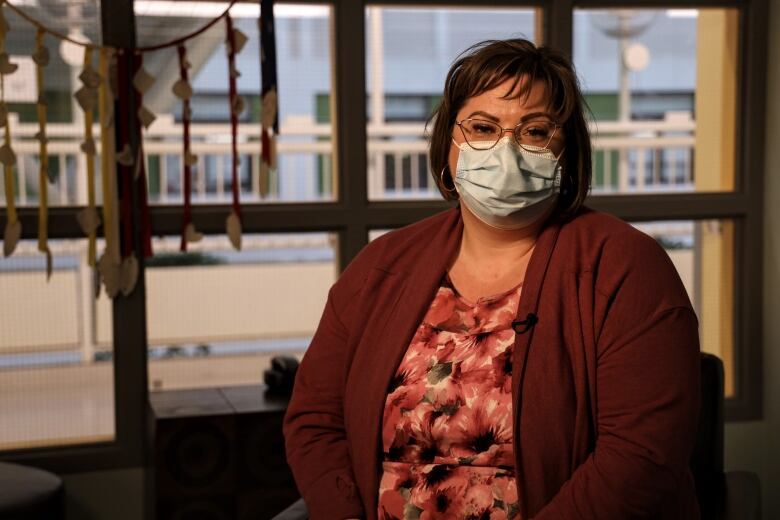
{"type": "Point", "coordinates": [538, 131]}
{"type": "Point", "coordinates": [483, 129]}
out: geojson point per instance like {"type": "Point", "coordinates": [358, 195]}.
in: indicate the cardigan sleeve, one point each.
{"type": "Point", "coordinates": [315, 439]}
{"type": "Point", "coordinates": [647, 397]}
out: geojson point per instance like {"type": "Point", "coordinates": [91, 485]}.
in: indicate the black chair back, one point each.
{"type": "Point", "coordinates": [707, 457]}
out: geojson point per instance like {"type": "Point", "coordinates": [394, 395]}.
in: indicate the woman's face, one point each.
{"type": "Point", "coordinates": [491, 105]}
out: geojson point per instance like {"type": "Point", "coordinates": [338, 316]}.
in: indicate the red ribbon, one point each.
{"type": "Point", "coordinates": [233, 115]}
{"type": "Point", "coordinates": [266, 143]}
{"type": "Point", "coordinates": [187, 188]}
{"type": "Point", "coordinates": [146, 225]}
{"type": "Point", "coordinates": [125, 172]}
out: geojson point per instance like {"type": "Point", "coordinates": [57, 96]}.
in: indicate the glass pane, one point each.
{"type": "Point", "coordinates": [408, 54]}
{"type": "Point", "coordinates": [304, 146]}
{"type": "Point", "coordinates": [662, 87]}
{"type": "Point", "coordinates": [56, 373]}
{"type": "Point", "coordinates": [703, 253]}
{"type": "Point", "coordinates": [216, 316]}
{"type": "Point", "coordinates": [66, 174]}
{"type": "Point", "coordinates": [373, 234]}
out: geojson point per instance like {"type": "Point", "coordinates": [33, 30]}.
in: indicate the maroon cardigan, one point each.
{"type": "Point", "coordinates": [605, 385]}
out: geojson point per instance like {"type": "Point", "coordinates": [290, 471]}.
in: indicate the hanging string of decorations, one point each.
{"type": "Point", "coordinates": [120, 82]}
{"type": "Point", "coordinates": [183, 90]}
{"type": "Point", "coordinates": [13, 228]}
{"type": "Point", "coordinates": [269, 100]}
{"type": "Point", "coordinates": [41, 59]}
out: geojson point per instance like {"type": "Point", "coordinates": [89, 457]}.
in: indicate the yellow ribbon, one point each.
{"type": "Point", "coordinates": [8, 170]}
{"type": "Point", "coordinates": [107, 164]}
{"type": "Point", "coordinates": [10, 188]}
{"type": "Point", "coordinates": [43, 207]}
{"type": "Point", "coordinates": [88, 119]}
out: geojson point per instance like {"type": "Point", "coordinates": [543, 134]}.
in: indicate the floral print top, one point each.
{"type": "Point", "coordinates": [447, 426]}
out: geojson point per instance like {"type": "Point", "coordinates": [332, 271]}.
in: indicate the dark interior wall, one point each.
{"type": "Point", "coordinates": [754, 445]}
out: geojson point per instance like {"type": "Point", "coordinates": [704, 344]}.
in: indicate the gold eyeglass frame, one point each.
{"type": "Point", "coordinates": [513, 129]}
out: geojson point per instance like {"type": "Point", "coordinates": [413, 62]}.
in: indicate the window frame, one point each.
{"type": "Point", "coordinates": [352, 215]}
{"type": "Point", "coordinates": [129, 447]}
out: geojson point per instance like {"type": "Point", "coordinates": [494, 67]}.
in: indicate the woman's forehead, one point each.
{"type": "Point", "coordinates": [510, 98]}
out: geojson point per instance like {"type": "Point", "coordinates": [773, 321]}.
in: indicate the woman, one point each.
{"type": "Point", "coordinates": [519, 356]}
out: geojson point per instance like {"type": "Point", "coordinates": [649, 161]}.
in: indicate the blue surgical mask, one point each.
{"type": "Point", "coordinates": [507, 186]}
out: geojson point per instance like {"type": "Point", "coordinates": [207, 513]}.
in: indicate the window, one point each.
{"type": "Point", "coordinates": [662, 86]}
{"type": "Point", "coordinates": [216, 316]}
{"type": "Point", "coordinates": [356, 85]}
{"type": "Point", "coordinates": [66, 185]}
{"type": "Point", "coordinates": [252, 306]}
{"type": "Point", "coordinates": [304, 146]}
{"type": "Point", "coordinates": [55, 350]}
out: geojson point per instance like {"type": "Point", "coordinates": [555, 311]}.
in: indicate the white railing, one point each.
{"type": "Point", "coordinates": [637, 156]}
{"type": "Point", "coordinates": [629, 157]}
{"type": "Point", "coordinates": [644, 156]}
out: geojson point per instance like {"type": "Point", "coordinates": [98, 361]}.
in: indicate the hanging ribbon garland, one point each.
{"type": "Point", "coordinates": [183, 90]}
{"type": "Point", "coordinates": [118, 265]}
{"type": "Point", "coordinates": [143, 119]}
{"type": "Point", "coordinates": [108, 156]}
{"type": "Point", "coordinates": [41, 59]}
{"type": "Point", "coordinates": [13, 228]}
{"type": "Point", "coordinates": [235, 41]}
{"type": "Point", "coordinates": [269, 118]}
{"type": "Point", "coordinates": [87, 97]}
{"type": "Point", "coordinates": [109, 265]}
{"type": "Point", "coordinates": [126, 161]}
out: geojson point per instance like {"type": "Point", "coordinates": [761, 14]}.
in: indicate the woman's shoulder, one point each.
{"type": "Point", "coordinates": [620, 257]}
{"type": "Point", "coordinates": [396, 249]}
{"type": "Point", "coordinates": [401, 250]}
{"type": "Point", "coordinates": [598, 223]}
{"type": "Point", "coordinates": [597, 237]}
{"type": "Point", "coordinates": [404, 248]}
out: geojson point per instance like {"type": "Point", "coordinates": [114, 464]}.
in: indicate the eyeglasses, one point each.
{"type": "Point", "coordinates": [531, 135]}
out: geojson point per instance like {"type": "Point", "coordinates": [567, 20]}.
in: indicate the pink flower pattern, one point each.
{"type": "Point", "coordinates": [447, 427]}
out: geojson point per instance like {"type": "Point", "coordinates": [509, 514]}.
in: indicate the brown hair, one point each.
{"type": "Point", "coordinates": [486, 65]}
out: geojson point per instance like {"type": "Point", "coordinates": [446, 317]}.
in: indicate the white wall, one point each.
{"type": "Point", "coordinates": [755, 446]}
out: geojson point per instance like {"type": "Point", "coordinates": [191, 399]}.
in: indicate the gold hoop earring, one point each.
{"type": "Point", "coordinates": [443, 184]}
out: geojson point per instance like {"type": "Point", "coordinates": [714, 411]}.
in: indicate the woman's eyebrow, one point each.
{"type": "Point", "coordinates": [526, 117]}
{"type": "Point", "coordinates": [483, 114]}
{"type": "Point", "coordinates": [533, 115]}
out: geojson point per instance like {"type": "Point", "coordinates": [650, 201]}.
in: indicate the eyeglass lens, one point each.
{"type": "Point", "coordinates": [482, 134]}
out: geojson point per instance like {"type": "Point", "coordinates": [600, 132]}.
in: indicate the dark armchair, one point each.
{"type": "Point", "coordinates": [735, 495]}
